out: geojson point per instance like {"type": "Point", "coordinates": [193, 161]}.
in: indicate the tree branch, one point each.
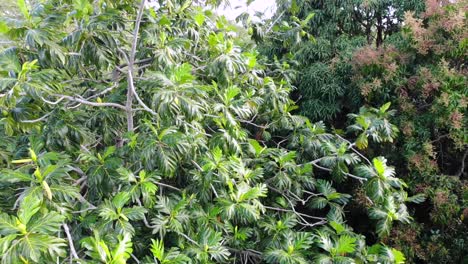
{"type": "Point", "coordinates": [167, 185]}
{"type": "Point", "coordinates": [314, 163]}
{"type": "Point", "coordinates": [70, 241]}
{"type": "Point", "coordinates": [131, 60]}
{"type": "Point", "coordinates": [83, 101]}
{"type": "Point", "coordinates": [322, 220]}
{"type": "Point", "coordinates": [103, 92]}
{"type": "Point", "coordinates": [37, 120]}
{"type": "Point", "coordinates": [131, 86]}
{"type": "Point", "coordinates": [351, 146]}
{"type": "Point", "coordinates": [462, 168]}
{"type": "Point", "coordinates": [274, 22]}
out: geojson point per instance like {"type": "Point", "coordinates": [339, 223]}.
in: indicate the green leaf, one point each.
{"type": "Point", "coordinates": [23, 8]}
{"type": "Point", "coordinates": [120, 199]}
{"type": "Point", "coordinates": [256, 146]}
{"type": "Point", "coordinates": [362, 141]}
{"type": "Point", "coordinates": [8, 224]}
{"type": "Point", "coordinates": [339, 228]}
{"type": "Point", "coordinates": [123, 250]}
{"type": "Point", "coordinates": [47, 224]}
{"type": "Point", "coordinates": [385, 107]}
{"type": "Point", "coordinates": [345, 244]}
{"type": "Point", "coordinates": [135, 213]}
{"type": "Point", "coordinates": [157, 248]}
{"type": "Point", "coordinates": [29, 206]}
{"type": "Point", "coordinates": [398, 256]}
{"type": "Point", "coordinates": [200, 18]}
{"type": "Point", "coordinates": [164, 21]}
{"type": "Point", "coordinates": [307, 19]}
{"type": "Point", "coordinates": [4, 27]}
{"type": "Point", "coordinates": [12, 176]}
{"type": "Point", "coordinates": [417, 199]}
{"type": "Point", "coordinates": [319, 203]}
{"type": "Point", "coordinates": [379, 166]}
{"type": "Point", "coordinates": [289, 156]}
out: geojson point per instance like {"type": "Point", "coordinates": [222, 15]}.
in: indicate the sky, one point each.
{"type": "Point", "coordinates": [239, 6]}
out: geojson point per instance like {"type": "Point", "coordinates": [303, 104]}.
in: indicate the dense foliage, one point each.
{"type": "Point", "coordinates": [418, 63]}
{"type": "Point", "coordinates": [158, 134]}
{"type": "Point", "coordinates": [423, 71]}
{"type": "Point", "coordinates": [323, 47]}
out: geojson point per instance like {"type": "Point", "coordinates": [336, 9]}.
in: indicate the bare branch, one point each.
{"type": "Point", "coordinates": [351, 146]}
{"type": "Point", "coordinates": [167, 185]}
{"type": "Point", "coordinates": [314, 163]}
{"type": "Point", "coordinates": [131, 86]}
{"type": "Point", "coordinates": [322, 220]}
{"type": "Point", "coordinates": [70, 241]}
{"type": "Point", "coordinates": [135, 258]}
{"type": "Point", "coordinates": [130, 61]}
{"type": "Point", "coordinates": [83, 101]}
{"type": "Point", "coordinates": [301, 216]}
{"type": "Point", "coordinates": [188, 238]}
{"type": "Point", "coordinates": [274, 22]}
{"type": "Point", "coordinates": [53, 103]}
{"type": "Point", "coordinates": [37, 120]}
{"type": "Point", "coordinates": [439, 138]}
{"type": "Point", "coordinates": [107, 90]}
{"type": "Point", "coordinates": [145, 221]}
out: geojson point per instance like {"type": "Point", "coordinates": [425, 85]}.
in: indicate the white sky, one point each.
{"type": "Point", "coordinates": [238, 6]}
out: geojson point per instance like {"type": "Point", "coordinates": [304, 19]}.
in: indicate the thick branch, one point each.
{"type": "Point", "coordinates": [131, 86]}
{"type": "Point", "coordinates": [131, 60]}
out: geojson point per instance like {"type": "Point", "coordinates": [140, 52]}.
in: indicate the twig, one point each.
{"type": "Point", "coordinates": [37, 120]}
{"type": "Point", "coordinates": [297, 213]}
{"type": "Point", "coordinates": [167, 185]}
{"type": "Point", "coordinates": [145, 221]}
{"type": "Point", "coordinates": [103, 92]}
{"type": "Point", "coordinates": [253, 124]}
{"type": "Point", "coordinates": [135, 258]}
{"type": "Point", "coordinates": [52, 103]}
{"type": "Point", "coordinates": [345, 173]}
{"type": "Point", "coordinates": [314, 163]}
{"type": "Point", "coordinates": [248, 252]}
{"type": "Point", "coordinates": [439, 138]}
{"type": "Point", "coordinates": [274, 22]}
{"type": "Point", "coordinates": [351, 146]}
{"type": "Point", "coordinates": [188, 238]}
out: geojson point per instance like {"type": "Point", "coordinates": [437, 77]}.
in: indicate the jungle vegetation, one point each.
{"type": "Point", "coordinates": [160, 132]}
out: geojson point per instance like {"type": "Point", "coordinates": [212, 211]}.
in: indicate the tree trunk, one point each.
{"type": "Point", "coordinates": [379, 39]}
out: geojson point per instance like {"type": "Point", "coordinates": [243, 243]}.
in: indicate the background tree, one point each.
{"type": "Point", "coordinates": [423, 71]}
{"type": "Point", "coordinates": [137, 134]}
{"type": "Point", "coordinates": [321, 36]}
{"type": "Point", "coordinates": [416, 62]}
